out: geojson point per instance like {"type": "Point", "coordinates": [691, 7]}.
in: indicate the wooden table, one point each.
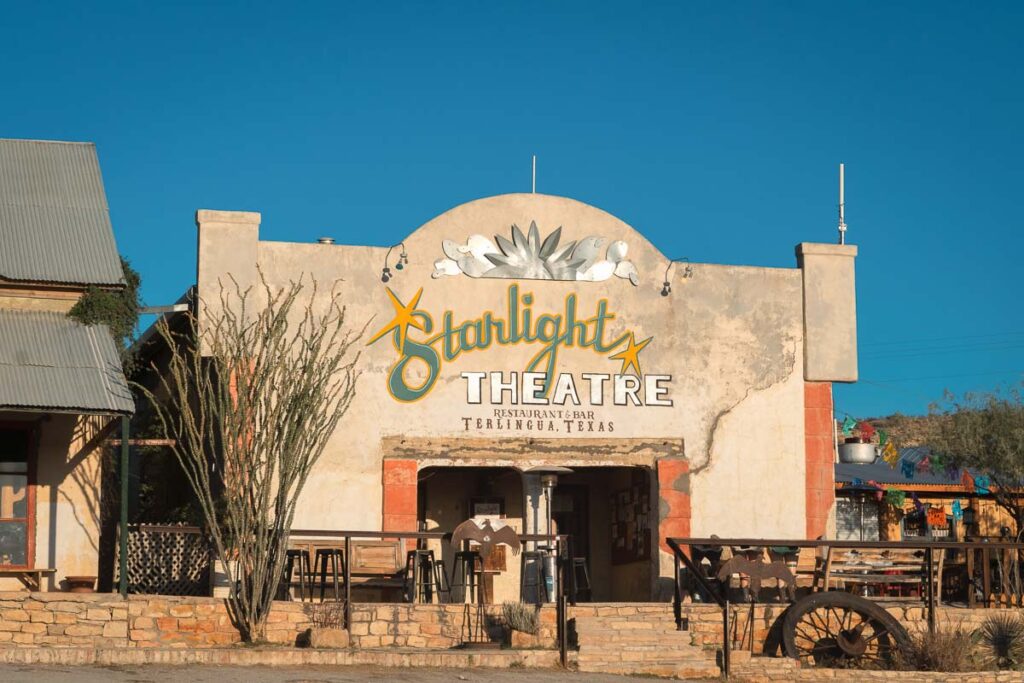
{"type": "Point", "coordinates": [30, 578]}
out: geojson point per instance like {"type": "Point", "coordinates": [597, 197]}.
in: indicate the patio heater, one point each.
{"type": "Point", "coordinates": [548, 481]}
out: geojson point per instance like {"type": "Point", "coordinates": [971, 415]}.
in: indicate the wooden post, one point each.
{"type": "Point", "coordinates": [931, 590]}
{"type": "Point", "coordinates": [970, 578]}
{"type": "Point", "coordinates": [986, 578]}
{"type": "Point", "coordinates": [123, 529]}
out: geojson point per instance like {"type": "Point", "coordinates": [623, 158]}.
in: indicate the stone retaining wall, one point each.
{"type": "Point", "coordinates": [108, 621]}
{"type": "Point", "coordinates": [433, 626]}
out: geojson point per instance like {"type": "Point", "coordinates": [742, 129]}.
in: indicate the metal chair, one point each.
{"type": "Point", "coordinates": [298, 558]}
{"type": "Point", "coordinates": [336, 557]}
{"type": "Point", "coordinates": [424, 577]}
{"type": "Point", "coordinates": [468, 568]}
{"type": "Point", "coordinates": [582, 578]}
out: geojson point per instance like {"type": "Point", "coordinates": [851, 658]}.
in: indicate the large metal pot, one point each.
{"type": "Point", "coordinates": [857, 453]}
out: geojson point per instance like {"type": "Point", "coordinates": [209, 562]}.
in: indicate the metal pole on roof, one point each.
{"type": "Point", "coordinates": [123, 527]}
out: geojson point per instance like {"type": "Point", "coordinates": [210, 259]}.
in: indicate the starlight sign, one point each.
{"type": "Point", "coordinates": [412, 332]}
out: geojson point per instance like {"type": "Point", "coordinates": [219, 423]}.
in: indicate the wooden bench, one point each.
{"type": "Point", "coordinates": [864, 567]}
{"type": "Point", "coordinates": [32, 579]}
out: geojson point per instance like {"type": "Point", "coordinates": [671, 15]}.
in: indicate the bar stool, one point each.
{"type": "Point", "coordinates": [337, 559]}
{"type": "Point", "coordinates": [424, 577]}
{"type": "Point", "coordinates": [300, 557]}
{"type": "Point", "coordinates": [468, 568]}
{"type": "Point", "coordinates": [537, 575]}
{"type": "Point", "coordinates": [581, 576]}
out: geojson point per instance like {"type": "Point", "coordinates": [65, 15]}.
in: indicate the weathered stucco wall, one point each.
{"type": "Point", "coordinates": [728, 343]}
{"type": "Point", "coordinates": [830, 311]}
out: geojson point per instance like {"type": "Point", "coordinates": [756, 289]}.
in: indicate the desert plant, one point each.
{"type": "Point", "coordinates": [330, 614]}
{"type": "Point", "coordinates": [521, 617]}
{"type": "Point", "coordinates": [1002, 638]}
{"type": "Point", "coordinates": [254, 389]}
{"type": "Point", "coordinates": [949, 649]}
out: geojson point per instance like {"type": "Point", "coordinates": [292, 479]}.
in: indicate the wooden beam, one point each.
{"type": "Point", "coordinates": [144, 442]}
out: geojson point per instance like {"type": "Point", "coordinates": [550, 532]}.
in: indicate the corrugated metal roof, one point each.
{"type": "Point", "coordinates": [54, 222]}
{"type": "Point", "coordinates": [49, 361]}
{"type": "Point", "coordinates": [881, 472]}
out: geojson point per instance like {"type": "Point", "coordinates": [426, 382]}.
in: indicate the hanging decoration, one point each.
{"type": "Point", "coordinates": [958, 510]}
{"type": "Point", "coordinates": [924, 465]}
{"type": "Point", "coordinates": [918, 505]}
{"type": "Point", "coordinates": [883, 437]}
{"type": "Point", "coordinates": [938, 462]}
{"type": "Point", "coordinates": [895, 497]}
{"type": "Point", "coordinates": [936, 516]}
{"type": "Point", "coordinates": [890, 454]}
{"type": "Point", "coordinates": [951, 471]}
{"type": "Point", "coordinates": [849, 424]}
{"type": "Point", "coordinates": [967, 481]}
{"type": "Point", "coordinates": [907, 469]}
{"type": "Point", "coordinates": [981, 484]}
{"type": "Point", "coordinates": [866, 430]}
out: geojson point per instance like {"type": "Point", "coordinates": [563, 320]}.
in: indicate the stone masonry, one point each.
{"type": "Point", "coordinates": [108, 621]}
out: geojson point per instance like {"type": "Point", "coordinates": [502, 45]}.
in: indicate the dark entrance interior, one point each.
{"type": "Point", "coordinates": [610, 512]}
{"type": "Point", "coordinates": [610, 515]}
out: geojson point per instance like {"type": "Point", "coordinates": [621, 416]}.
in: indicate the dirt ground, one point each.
{"type": "Point", "coordinates": [226, 674]}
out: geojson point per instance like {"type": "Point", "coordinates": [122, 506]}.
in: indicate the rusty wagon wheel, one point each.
{"type": "Point", "coordinates": [842, 631]}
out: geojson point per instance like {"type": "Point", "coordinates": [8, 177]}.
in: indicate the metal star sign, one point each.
{"type": "Point", "coordinates": [630, 356]}
{"type": "Point", "coordinates": [404, 319]}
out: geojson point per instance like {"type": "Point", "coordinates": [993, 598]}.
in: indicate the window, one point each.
{"type": "Point", "coordinates": [856, 519]}
{"type": "Point", "coordinates": [17, 499]}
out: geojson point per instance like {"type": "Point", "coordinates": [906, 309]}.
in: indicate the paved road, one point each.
{"type": "Point", "coordinates": [227, 674]}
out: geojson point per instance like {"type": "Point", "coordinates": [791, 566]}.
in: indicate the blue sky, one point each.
{"type": "Point", "coordinates": [714, 128]}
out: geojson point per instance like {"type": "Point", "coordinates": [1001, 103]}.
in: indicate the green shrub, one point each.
{"type": "Point", "coordinates": [118, 309]}
{"type": "Point", "coordinates": [521, 617]}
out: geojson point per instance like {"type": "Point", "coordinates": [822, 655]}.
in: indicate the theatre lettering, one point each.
{"type": "Point", "coordinates": [539, 383]}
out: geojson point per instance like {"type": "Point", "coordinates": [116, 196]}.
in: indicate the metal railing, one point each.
{"type": "Point", "coordinates": [681, 546]}
{"type": "Point", "coordinates": [562, 544]}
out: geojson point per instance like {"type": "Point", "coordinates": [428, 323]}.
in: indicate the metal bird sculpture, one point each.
{"type": "Point", "coordinates": [486, 535]}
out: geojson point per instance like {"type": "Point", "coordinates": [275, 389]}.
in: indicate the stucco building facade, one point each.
{"type": "Point", "coordinates": [61, 382]}
{"type": "Point", "coordinates": [699, 408]}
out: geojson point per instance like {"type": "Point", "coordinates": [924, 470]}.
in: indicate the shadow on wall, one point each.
{"type": "Point", "coordinates": [69, 474]}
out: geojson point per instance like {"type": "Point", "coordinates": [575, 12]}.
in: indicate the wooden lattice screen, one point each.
{"type": "Point", "coordinates": [167, 560]}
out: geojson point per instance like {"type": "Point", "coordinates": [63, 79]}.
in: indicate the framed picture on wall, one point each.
{"type": "Point", "coordinates": [487, 508]}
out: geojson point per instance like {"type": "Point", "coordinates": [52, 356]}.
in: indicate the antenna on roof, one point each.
{"type": "Point", "coordinates": [842, 206]}
{"type": "Point", "coordinates": [534, 174]}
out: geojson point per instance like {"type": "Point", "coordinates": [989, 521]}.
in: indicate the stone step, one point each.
{"type": "Point", "coordinates": [626, 622]}
{"type": "Point", "coordinates": [695, 669]}
{"type": "Point", "coordinates": [650, 630]}
{"type": "Point", "coordinates": [621, 625]}
{"type": "Point", "coordinates": [662, 657]}
{"type": "Point", "coordinates": [634, 637]}
{"type": "Point", "coordinates": [677, 649]}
